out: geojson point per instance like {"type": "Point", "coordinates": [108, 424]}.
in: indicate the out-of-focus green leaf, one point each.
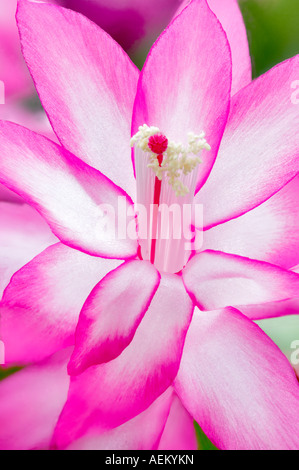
{"type": "Point", "coordinates": [204, 442]}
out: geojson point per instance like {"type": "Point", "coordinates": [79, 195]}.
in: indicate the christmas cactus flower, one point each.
{"type": "Point", "coordinates": [149, 313]}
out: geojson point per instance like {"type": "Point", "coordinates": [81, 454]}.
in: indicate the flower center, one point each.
{"type": "Point", "coordinates": [166, 175]}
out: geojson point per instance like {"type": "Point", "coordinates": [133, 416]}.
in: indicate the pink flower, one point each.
{"type": "Point", "coordinates": [142, 330]}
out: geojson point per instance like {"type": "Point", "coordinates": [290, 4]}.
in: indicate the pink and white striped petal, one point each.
{"type": "Point", "coordinates": [40, 307]}
{"type": "Point", "coordinates": [189, 90]}
{"type": "Point", "coordinates": [112, 313]}
{"type": "Point", "coordinates": [89, 93]}
{"type": "Point", "coordinates": [238, 385]}
{"type": "Point", "coordinates": [115, 392]}
{"type": "Point", "coordinates": [259, 150]}
{"type": "Point", "coordinates": [84, 209]}
{"type": "Point", "coordinates": [216, 280]}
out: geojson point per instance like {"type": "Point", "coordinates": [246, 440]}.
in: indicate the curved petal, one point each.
{"type": "Point", "coordinates": [185, 83]}
{"type": "Point", "coordinates": [30, 403]}
{"type": "Point", "coordinates": [259, 150]}
{"type": "Point", "coordinates": [179, 432]}
{"type": "Point", "coordinates": [132, 23]}
{"type": "Point", "coordinates": [112, 313]}
{"type": "Point", "coordinates": [86, 83]}
{"type": "Point", "coordinates": [217, 280]}
{"type": "Point", "coordinates": [230, 17]}
{"type": "Point", "coordinates": [114, 392]}
{"type": "Point", "coordinates": [268, 233]}
{"type": "Point", "coordinates": [83, 208]}
{"type": "Point", "coordinates": [23, 234]}
{"type": "Point", "coordinates": [238, 385]}
{"type": "Point", "coordinates": [8, 196]}
{"type": "Point", "coordinates": [40, 307]}
{"type": "Point", "coordinates": [13, 71]}
{"type": "Point", "coordinates": [271, 309]}
{"type": "Point", "coordinates": [36, 121]}
{"type": "Point", "coordinates": [140, 433]}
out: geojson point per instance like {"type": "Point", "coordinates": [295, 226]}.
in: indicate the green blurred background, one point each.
{"type": "Point", "coordinates": [273, 31]}
{"type": "Point", "coordinates": [273, 34]}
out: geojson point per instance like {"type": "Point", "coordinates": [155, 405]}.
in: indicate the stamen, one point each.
{"type": "Point", "coordinates": [166, 177]}
{"type": "Point", "coordinates": [177, 159]}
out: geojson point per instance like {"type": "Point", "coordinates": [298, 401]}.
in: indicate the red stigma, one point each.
{"type": "Point", "coordinates": [158, 144]}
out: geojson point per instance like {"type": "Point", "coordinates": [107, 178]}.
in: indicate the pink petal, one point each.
{"type": "Point", "coordinates": [259, 149]}
{"type": "Point", "coordinates": [238, 385]}
{"type": "Point", "coordinates": [217, 280]}
{"type": "Point", "coordinates": [230, 17]}
{"type": "Point", "coordinates": [86, 83]}
{"type": "Point", "coordinates": [8, 196]}
{"type": "Point", "coordinates": [179, 432]}
{"type": "Point", "coordinates": [268, 233]}
{"type": "Point", "coordinates": [69, 194]}
{"type": "Point", "coordinates": [185, 83]}
{"type": "Point", "coordinates": [30, 403]}
{"type": "Point", "coordinates": [132, 23]}
{"type": "Point", "coordinates": [140, 433]}
{"type": "Point", "coordinates": [112, 313]}
{"type": "Point", "coordinates": [273, 309]}
{"type": "Point", "coordinates": [37, 121]}
{"type": "Point", "coordinates": [23, 234]}
{"type": "Point", "coordinates": [41, 305]}
{"type": "Point", "coordinates": [13, 73]}
{"type": "Point", "coordinates": [115, 392]}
